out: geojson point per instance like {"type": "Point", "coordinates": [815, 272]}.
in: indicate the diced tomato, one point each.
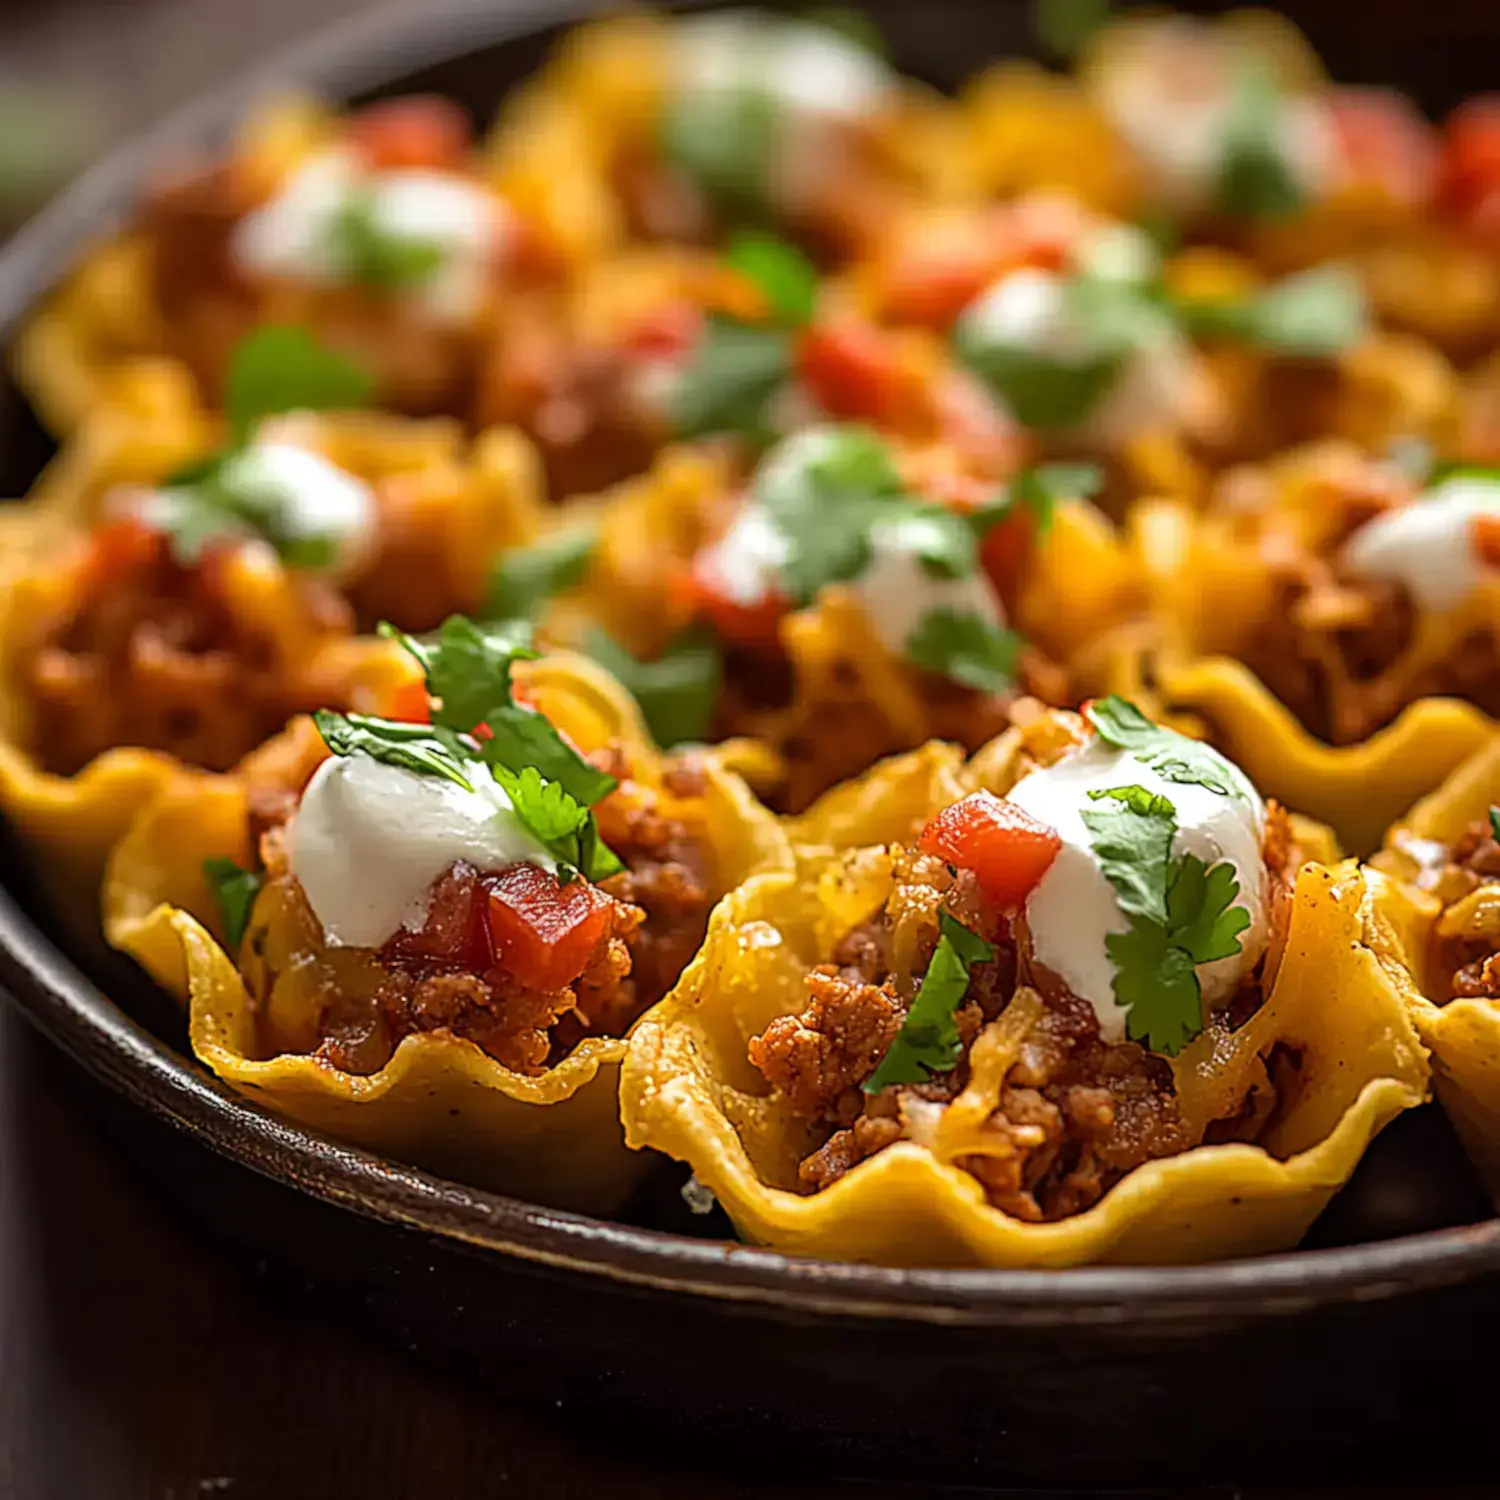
{"type": "Point", "coordinates": [544, 932]}
{"type": "Point", "coordinates": [120, 545]}
{"type": "Point", "coordinates": [1469, 172]}
{"type": "Point", "coordinates": [931, 285]}
{"type": "Point", "coordinates": [1006, 848]}
{"type": "Point", "coordinates": [666, 332]}
{"type": "Point", "coordinates": [409, 704]}
{"type": "Point", "coordinates": [695, 593]}
{"type": "Point", "coordinates": [420, 131]}
{"type": "Point", "coordinates": [1484, 533]}
{"type": "Point", "coordinates": [453, 932]}
{"type": "Point", "coordinates": [856, 371]}
{"type": "Point", "coordinates": [1384, 142]}
{"type": "Point", "coordinates": [1006, 549]}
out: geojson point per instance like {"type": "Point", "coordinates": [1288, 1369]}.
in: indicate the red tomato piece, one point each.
{"type": "Point", "coordinates": [120, 545]}
{"type": "Point", "coordinates": [544, 933]}
{"type": "Point", "coordinates": [855, 371]}
{"type": "Point", "coordinates": [1384, 142]}
{"type": "Point", "coordinates": [1006, 549]}
{"type": "Point", "coordinates": [420, 131]}
{"type": "Point", "coordinates": [1006, 848]}
{"type": "Point", "coordinates": [1469, 171]}
{"type": "Point", "coordinates": [666, 332]}
{"type": "Point", "coordinates": [1484, 533]}
{"type": "Point", "coordinates": [932, 287]}
{"type": "Point", "coordinates": [698, 594]}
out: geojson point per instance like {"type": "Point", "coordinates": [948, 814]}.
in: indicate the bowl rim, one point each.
{"type": "Point", "coordinates": [344, 59]}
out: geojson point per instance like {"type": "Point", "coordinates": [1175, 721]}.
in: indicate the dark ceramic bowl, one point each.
{"type": "Point", "coordinates": [1353, 1353]}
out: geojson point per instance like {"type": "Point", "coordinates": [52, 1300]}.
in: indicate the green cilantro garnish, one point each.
{"type": "Point", "coordinates": [1181, 912]}
{"type": "Point", "coordinates": [1495, 824]}
{"type": "Point", "coordinates": [1443, 472]}
{"type": "Point", "coordinates": [475, 720]}
{"type": "Point", "coordinates": [1257, 180]}
{"type": "Point", "coordinates": [370, 254]}
{"type": "Point", "coordinates": [1063, 26]}
{"type": "Point", "coordinates": [783, 274]}
{"type": "Point", "coordinates": [942, 541]}
{"type": "Point", "coordinates": [1315, 314]}
{"type": "Point", "coordinates": [928, 1041]}
{"type": "Point", "coordinates": [1038, 490]}
{"type": "Point", "coordinates": [525, 578]}
{"type": "Point", "coordinates": [736, 370]}
{"type": "Point", "coordinates": [234, 892]}
{"type": "Point", "coordinates": [280, 369]}
{"type": "Point", "coordinates": [228, 494]}
{"type": "Point", "coordinates": [966, 648]}
{"type": "Point", "coordinates": [677, 691]}
{"type": "Point", "coordinates": [724, 140]}
{"type": "Point", "coordinates": [1172, 756]}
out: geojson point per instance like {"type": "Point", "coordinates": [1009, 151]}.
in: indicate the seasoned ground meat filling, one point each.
{"type": "Point", "coordinates": [1472, 863]}
{"type": "Point", "coordinates": [1075, 1113]}
{"type": "Point", "coordinates": [144, 651]}
{"type": "Point", "coordinates": [446, 976]}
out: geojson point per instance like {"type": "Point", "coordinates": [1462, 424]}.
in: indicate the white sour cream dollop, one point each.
{"type": "Point", "coordinates": [369, 840]}
{"type": "Point", "coordinates": [293, 235]}
{"type": "Point", "coordinates": [1426, 546]}
{"type": "Point", "coordinates": [1074, 908]}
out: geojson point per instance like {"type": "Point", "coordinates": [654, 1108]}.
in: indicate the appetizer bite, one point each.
{"type": "Point", "coordinates": [1443, 859]}
{"type": "Point", "coordinates": [1100, 1009]}
{"type": "Point", "coordinates": [843, 600]}
{"type": "Point", "coordinates": [373, 229]}
{"type": "Point", "coordinates": [432, 932]}
{"type": "Point", "coordinates": [1332, 619]}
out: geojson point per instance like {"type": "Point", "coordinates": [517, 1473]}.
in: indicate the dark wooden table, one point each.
{"type": "Point", "coordinates": [134, 1363]}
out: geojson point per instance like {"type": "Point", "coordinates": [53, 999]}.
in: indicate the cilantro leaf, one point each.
{"type": "Point", "coordinates": [1043, 392]}
{"type": "Point", "coordinates": [559, 821]}
{"type": "Point", "coordinates": [1038, 489]}
{"type": "Point", "coordinates": [966, 648]}
{"type": "Point", "coordinates": [824, 489]}
{"type": "Point", "coordinates": [280, 369]}
{"type": "Point", "coordinates": [1172, 756]}
{"type": "Point", "coordinates": [234, 892]}
{"type": "Point", "coordinates": [1495, 824]}
{"type": "Point", "coordinates": [411, 747]}
{"type": "Point", "coordinates": [736, 369]}
{"type": "Point", "coordinates": [677, 692]}
{"type": "Point", "coordinates": [782, 273]}
{"type": "Point", "coordinates": [521, 739]}
{"type": "Point", "coordinates": [928, 1041]}
{"type": "Point", "coordinates": [724, 141]}
{"type": "Point", "coordinates": [1313, 315]}
{"type": "Point", "coordinates": [941, 540]}
{"type": "Point", "coordinates": [371, 254]}
{"type": "Point", "coordinates": [1157, 985]}
{"type": "Point", "coordinates": [1257, 180]}
{"type": "Point", "coordinates": [525, 578]}
{"type": "Point", "coordinates": [468, 666]}
{"type": "Point", "coordinates": [1204, 920]}
{"type": "Point", "coordinates": [1132, 837]}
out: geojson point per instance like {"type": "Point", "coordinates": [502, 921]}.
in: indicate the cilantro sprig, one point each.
{"type": "Point", "coordinates": [928, 1042]}
{"type": "Point", "coordinates": [1312, 315]}
{"type": "Point", "coordinates": [234, 890]}
{"type": "Point", "coordinates": [1172, 756]}
{"type": "Point", "coordinates": [966, 648]}
{"type": "Point", "coordinates": [525, 578]}
{"type": "Point", "coordinates": [1257, 179]}
{"type": "Point", "coordinates": [1182, 913]}
{"type": "Point", "coordinates": [477, 722]}
{"type": "Point", "coordinates": [676, 691]}
{"type": "Point", "coordinates": [272, 371]}
{"type": "Point", "coordinates": [1495, 824]}
{"type": "Point", "coordinates": [370, 253]}
{"type": "Point", "coordinates": [1038, 490]}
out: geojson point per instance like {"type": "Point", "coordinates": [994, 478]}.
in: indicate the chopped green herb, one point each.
{"type": "Point", "coordinates": [1495, 824]}
{"type": "Point", "coordinates": [1257, 181]}
{"type": "Point", "coordinates": [559, 821]}
{"type": "Point", "coordinates": [371, 254]}
{"type": "Point", "coordinates": [1038, 490]}
{"type": "Point", "coordinates": [966, 648]}
{"type": "Point", "coordinates": [736, 370]}
{"type": "Point", "coordinates": [234, 891]}
{"type": "Point", "coordinates": [410, 747]}
{"type": "Point", "coordinates": [941, 540]}
{"type": "Point", "coordinates": [1182, 913]}
{"type": "Point", "coordinates": [724, 141]}
{"type": "Point", "coordinates": [1315, 314]}
{"type": "Point", "coordinates": [783, 274]}
{"type": "Point", "coordinates": [281, 369]}
{"type": "Point", "coordinates": [468, 666]}
{"type": "Point", "coordinates": [1064, 26]}
{"type": "Point", "coordinates": [928, 1042]}
{"type": "Point", "coordinates": [525, 578]}
{"type": "Point", "coordinates": [1172, 756]}
{"type": "Point", "coordinates": [677, 691]}
{"type": "Point", "coordinates": [522, 739]}
{"type": "Point", "coordinates": [1443, 472]}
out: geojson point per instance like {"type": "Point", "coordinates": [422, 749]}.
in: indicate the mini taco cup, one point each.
{"type": "Point", "coordinates": [1211, 595]}
{"type": "Point", "coordinates": [1432, 922]}
{"type": "Point", "coordinates": [1337, 997]}
{"type": "Point", "coordinates": [440, 1100]}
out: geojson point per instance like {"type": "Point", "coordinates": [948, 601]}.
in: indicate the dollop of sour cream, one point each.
{"type": "Point", "coordinates": [1074, 908]}
{"type": "Point", "coordinates": [369, 840]}
{"type": "Point", "coordinates": [1157, 385]}
{"type": "Point", "coordinates": [294, 235]}
{"type": "Point", "coordinates": [1426, 546]}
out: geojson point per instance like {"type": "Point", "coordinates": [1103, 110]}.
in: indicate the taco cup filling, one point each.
{"type": "Point", "coordinates": [492, 883]}
{"type": "Point", "coordinates": [1016, 1001]}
